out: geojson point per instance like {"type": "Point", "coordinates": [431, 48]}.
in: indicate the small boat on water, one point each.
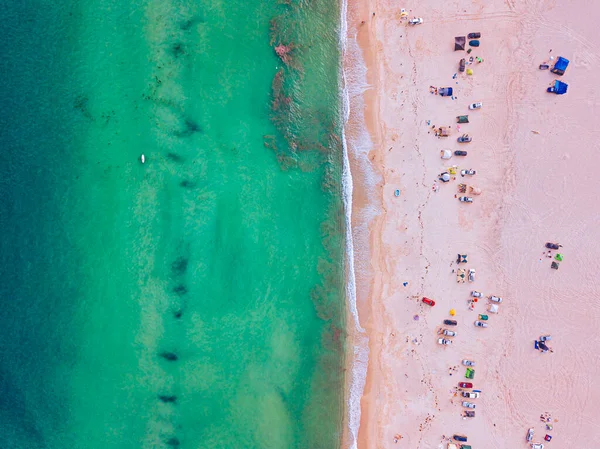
{"type": "Point", "coordinates": [142, 158]}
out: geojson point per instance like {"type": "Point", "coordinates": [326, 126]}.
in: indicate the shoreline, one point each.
{"type": "Point", "coordinates": [363, 117]}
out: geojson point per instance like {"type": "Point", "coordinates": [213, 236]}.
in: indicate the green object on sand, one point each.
{"type": "Point", "coordinates": [558, 257]}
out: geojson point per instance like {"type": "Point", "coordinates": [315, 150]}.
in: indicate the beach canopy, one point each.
{"type": "Point", "coordinates": [560, 66]}
{"type": "Point", "coordinates": [459, 43]}
{"type": "Point", "coordinates": [493, 308]}
{"type": "Point", "coordinates": [452, 312]}
{"type": "Point", "coordinates": [559, 88]}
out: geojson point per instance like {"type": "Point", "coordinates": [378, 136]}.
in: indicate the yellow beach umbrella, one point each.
{"type": "Point", "coordinates": [452, 312]}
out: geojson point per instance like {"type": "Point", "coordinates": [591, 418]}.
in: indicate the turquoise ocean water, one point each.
{"type": "Point", "coordinates": [197, 300]}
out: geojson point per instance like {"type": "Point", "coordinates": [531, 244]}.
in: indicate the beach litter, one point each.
{"type": "Point", "coordinates": [397, 192]}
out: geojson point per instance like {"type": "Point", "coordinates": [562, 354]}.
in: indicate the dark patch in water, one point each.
{"type": "Point", "coordinates": [107, 116]}
{"type": "Point", "coordinates": [186, 25]}
{"type": "Point", "coordinates": [187, 184]}
{"type": "Point", "coordinates": [173, 442]}
{"type": "Point", "coordinates": [180, 290]}
{"type": "Point", "coordinates": [170, 356]}
{"type": "Point", "coordinates": [174, 157]}
{"type": "Point", "coordinates": [189, 127]}
{"type": "Point", "coordinates": [177, 49]}
{"type": "Point", "coordinates": [81, 104]}
{"type": "Point", "coordinates": [192, 126]}
{"type": "Point", "coordinates": [178, 314]}
{"type": "Point", "coordinates": [167, 399]}
{"type": "Point", "coordinates": [179, 266]}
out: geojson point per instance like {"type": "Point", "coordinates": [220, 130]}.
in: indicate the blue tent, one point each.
{"type": "Point", "coordinates": [560, 66]}
{"type": "Point", "coordinates": [559, 88]}
{"type": "Point", "coordinates": [445, 91]}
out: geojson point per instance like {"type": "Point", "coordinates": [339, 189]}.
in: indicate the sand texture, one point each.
{"type": "Point", "coordinates": [537, 160]}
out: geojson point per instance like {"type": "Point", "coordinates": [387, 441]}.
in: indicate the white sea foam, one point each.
{"type": "Point", "coordinates": [354, 84]}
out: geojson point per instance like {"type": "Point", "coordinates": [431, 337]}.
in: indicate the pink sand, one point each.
{"type": "Point", "coordinates": [538, 162]}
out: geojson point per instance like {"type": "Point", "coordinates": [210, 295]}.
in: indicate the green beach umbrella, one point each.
{"type": "Point", "coordinates": [559, 257]}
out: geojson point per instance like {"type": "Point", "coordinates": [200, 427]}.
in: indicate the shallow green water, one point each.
{"type": "Point", "coordinates": [224, 250]}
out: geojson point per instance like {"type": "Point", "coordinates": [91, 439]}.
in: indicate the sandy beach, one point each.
{"type": "Point", "coordinates": [536, 156]}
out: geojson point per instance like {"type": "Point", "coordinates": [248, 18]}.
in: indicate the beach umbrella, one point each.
{"type": "Point", "coordinates": [559, 257]}
{"type": "Point", "coordinates": [452, 312]}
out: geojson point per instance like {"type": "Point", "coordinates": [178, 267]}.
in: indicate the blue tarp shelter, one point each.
{"type": "Point", "coordinates": [560, 66]}
{"type": "Point", "coordinates": [445, 91]}
{"type": "Point", "coordinates": [559, 88]}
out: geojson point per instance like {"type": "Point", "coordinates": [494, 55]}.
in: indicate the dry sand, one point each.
{"type": "Point", "coordinates": [538, 186]}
